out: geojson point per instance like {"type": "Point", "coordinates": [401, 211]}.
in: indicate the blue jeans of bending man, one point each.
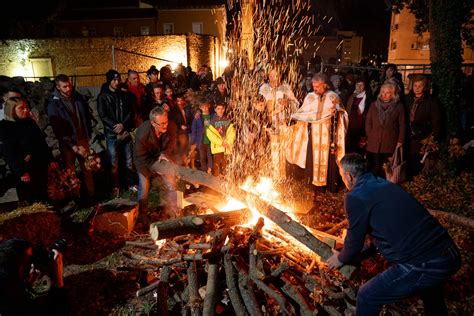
{"type": "Point", "coordinates": [144, 186]}
{"type": "Point", "coordinates": [117, 150]}
{"type": "Point", "coordinates": [402, 280]}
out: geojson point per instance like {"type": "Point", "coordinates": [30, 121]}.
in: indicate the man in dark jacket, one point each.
{"type": "Point", "coordinates": [422, 253]}
{"type": "Point", "coordinates": [154, 141]}
{"type": "Point", "coordinates": [115, 110]}
{"type": "Point", "coordinates": [424, 121]}
{"type": "Point", "coordinates": [70, 118]}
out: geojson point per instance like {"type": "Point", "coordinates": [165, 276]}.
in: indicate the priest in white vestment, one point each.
{"type": "Point", "coordinates": [322, 119]}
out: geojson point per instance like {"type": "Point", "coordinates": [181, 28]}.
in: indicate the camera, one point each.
{"type": "Point", "coordinates": [43, 258]}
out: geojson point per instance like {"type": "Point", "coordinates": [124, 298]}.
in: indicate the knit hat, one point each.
{"type": "Point", "coordinates": [219, 81]}
{"type": "Point", "coordinates": [111, 75]}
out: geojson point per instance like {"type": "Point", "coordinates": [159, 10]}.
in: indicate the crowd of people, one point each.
{"type": "Point", "coordinates": [339, 113]}
{"type": "Point", "coordinates": [186, 118]}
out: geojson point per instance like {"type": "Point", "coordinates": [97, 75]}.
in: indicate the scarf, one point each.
{"type": "Point", "coordinates": [386, 109]}
{"type": "Point", "coordinates": [414, 107]}
{"type": "Point", "coordinates": [362, 95]}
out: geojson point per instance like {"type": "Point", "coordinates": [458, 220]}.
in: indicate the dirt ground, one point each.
{"type": "Point", "coordinates": [101, 280]}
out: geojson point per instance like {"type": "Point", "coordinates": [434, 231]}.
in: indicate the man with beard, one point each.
{"type": "Point", "coordinates": [70, 118]}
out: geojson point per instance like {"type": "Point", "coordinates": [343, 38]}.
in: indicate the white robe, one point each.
{"type": "Point", "coordinates": [319, 115]}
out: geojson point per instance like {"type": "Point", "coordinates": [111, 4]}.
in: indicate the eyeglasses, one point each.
{"type": "Point", "coordinates": [160, 124]}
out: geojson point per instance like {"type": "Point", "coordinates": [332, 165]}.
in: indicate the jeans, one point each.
{"type": "Point", "coordinates": [118, 150]}
{"type": "Point", "coordinates": [402, 280]}
{"type": "Point", "coordinates": [144, 185]}
{"type": "Point", "coordinates": [205, 157]}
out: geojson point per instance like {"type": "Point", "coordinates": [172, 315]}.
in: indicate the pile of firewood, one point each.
{"type": "Point", "coordinates": [211, 264]}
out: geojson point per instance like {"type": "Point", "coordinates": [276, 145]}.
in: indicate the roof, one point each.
{"type": "Point", "coordinates": [185, 4]}
{"type": "Point", "coordinates": [108, 14]}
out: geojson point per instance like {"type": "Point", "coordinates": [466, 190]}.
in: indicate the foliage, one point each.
{"type": "Point", "coordinates": [448, 23]}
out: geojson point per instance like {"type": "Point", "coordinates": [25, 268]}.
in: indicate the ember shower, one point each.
{"type": "Point", "coordinates": [266, 35]}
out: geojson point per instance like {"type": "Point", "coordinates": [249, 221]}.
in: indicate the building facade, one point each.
{"type": "Point", "coordinates": [408, 48]}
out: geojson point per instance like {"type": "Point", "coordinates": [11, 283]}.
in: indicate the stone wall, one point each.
{"type": "Point", "coordinates": [90, 58]}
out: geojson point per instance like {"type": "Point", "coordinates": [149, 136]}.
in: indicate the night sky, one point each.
{"type": "Point", "coordinates": [369, 18]}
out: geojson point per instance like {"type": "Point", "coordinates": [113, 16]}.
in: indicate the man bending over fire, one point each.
{"type": "Point", "coordinates": [422, 253]}
{"type": "Point", "coordinates": [155, 140]}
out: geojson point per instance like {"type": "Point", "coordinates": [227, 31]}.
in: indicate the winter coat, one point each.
{"type": "Point", "coordinates": [383, 137]}
{"type": "Point", "coordinates": [62, 121]}
{"type": "Point", "coordinates": [114, 107]}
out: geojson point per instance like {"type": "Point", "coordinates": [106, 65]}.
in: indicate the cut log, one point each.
{"type": "Point", "coordinates": [210, 299]}
{"type": "Point", "coordinates": [454, 218]}
{"type": "Point", "coordinates": [231, 282]}
{"type": "Point", "coordinates": [296, 230]}
{"type": "Point", "coordinates": [337, 227]}
{"type": "Point", "coordinates": [195, 301]}
{"type": "Point", "coordinates": [248, 295]}
{"type": "Point", "coordinates": [192, 176]}
{"type": "Point", "coordinates": [280, 218]}
{"type": "Point", "coordinates": [198, 224]}
{"type": "Point", "coordinates": [293, 292]}
{"type": "Point", "coordinates": [163, 288]}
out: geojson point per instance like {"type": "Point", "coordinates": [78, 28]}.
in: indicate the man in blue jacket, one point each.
{"type": "Point", "coordinates": [422, 253]}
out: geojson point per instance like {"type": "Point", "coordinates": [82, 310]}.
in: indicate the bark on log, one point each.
{"type": "Point", "coordinates": [234, 295]}
{"type": "Point", "coordinates": [211, 288]}
{"type": "Point", "coordinates": [192, 176]}
{"type": "Point", "coordinates": [147, 289]}
{"type": "Point", "coordinates": [297, 231]}
{"type": "Point", "coordinates": [162, 291]}
{"type": "Point", "coordinates": [453, 218]}
{"type": "Point", "coordinates": [195, 301]}
{"type": "Point", "coordinates": [293, 292]}
{"type": "Point", "coordinates": [337, 227]}
{"type": "Point", "coordinates": [198, 224]}
{"type": "Point", "coordinates": [280, 218]}
{"type": "Point", "coordinates": [248, 295]}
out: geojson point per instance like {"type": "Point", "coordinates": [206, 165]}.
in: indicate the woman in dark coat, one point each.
{"type": "Point", "coordinates": [385, 127]}
{"type": "Point", "coordinates": [424, 121]}
{"type": "Point", "coordinates": [357, 107]}
{"type": "Point", "coordinates": [26, 151]}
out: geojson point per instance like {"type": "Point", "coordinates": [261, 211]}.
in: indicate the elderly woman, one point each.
{"type": "Point", "coordinates": [384, 127]}
{"type": "Point", "coordinates": [25, 150]}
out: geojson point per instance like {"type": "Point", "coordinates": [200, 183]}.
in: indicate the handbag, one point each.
{"type": "Point", "coordinates": [395, 169]}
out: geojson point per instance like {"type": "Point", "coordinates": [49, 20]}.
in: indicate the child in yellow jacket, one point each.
{"type": "Point", "coordinates": [221, 134]}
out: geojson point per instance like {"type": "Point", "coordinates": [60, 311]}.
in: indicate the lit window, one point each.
{"type": "Point", "coordinates": [197, 27]}
{"type": "Point", "coordinates": [41, 67]}
{"type": "Point", "coordinates": [168, 28]}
